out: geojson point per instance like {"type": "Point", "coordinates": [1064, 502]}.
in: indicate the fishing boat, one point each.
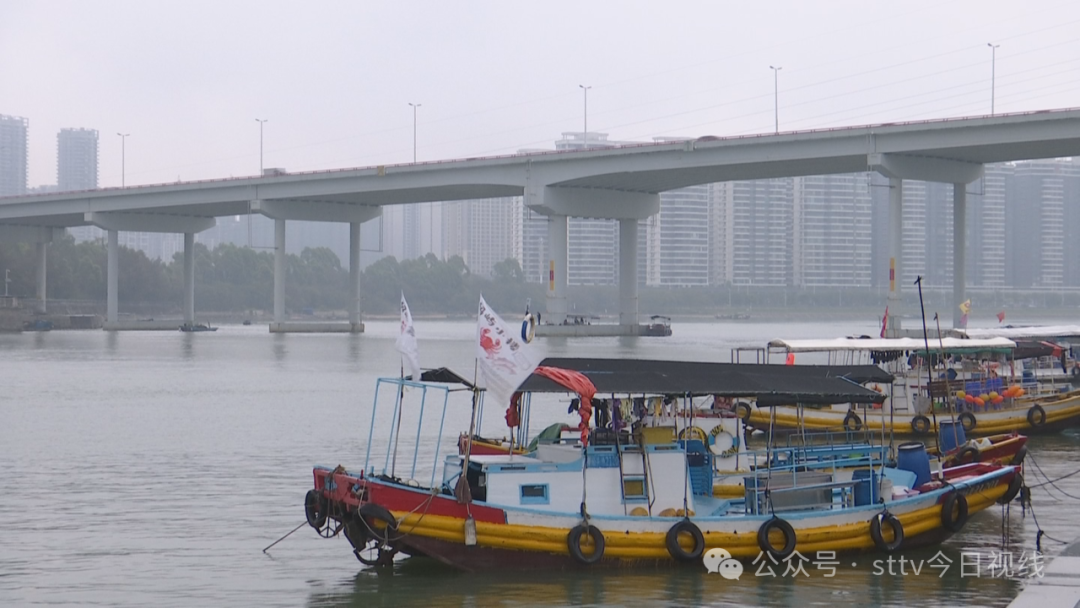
{"type": "Point", "coordinates": [970, 381]}
{"type": "Point", "coordinates": [195, 327]}
{"type": "Point", "coordinates": [631, 494]}
{"type": "Point", "coordinates": [659, 325]}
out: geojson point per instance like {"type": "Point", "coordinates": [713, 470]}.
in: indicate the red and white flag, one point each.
{"type": "Point", "coordinates": [504, 359]}
{"type": "Point", "coordinates": [885, 322]}
{"type": "Point", "coordinates": [406, 341]}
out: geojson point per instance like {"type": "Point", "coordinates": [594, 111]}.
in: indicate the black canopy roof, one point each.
{"type": "Point", "coordinates": [767, 384]}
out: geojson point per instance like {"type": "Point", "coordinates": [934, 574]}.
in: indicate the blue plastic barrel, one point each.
{"type": "Point", "coordinates": [866, 486]}
{"type": "Point", "coordinates": [912, 457]}
{"type": "Point", "coordinates": [951, 435]}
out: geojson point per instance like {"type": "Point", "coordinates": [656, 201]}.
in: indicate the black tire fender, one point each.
{"type": "Point", "coordinates": [1019, 456]}
{"type": "Point", "coordinates": [1036, 416]}
{"type": "Point", "coordinates": [676, 550]}
{"type": "Point", "coordinates": [968, 454]}
{"type": "Point", "coordinates": [789, 537]}
{"type": "Point", "coordinates": [852, 422]}
{"type": "Point", "coordinates": [954, 522]}
{"type": "Point", "coordinates": [315, 509]}
{"type": "Point", "coordinates": [875, 532]}
{"type": "Point", "coordinates": [573, 543]}
{"type": "Point", "coordinates": [1015, 486]}
{"type": "Point", "coordinates": [920, 425]}
{"type": "Point", "coordinates": [743, 410]}
{"type": "Point", "coordinates": [967, 420]}
{"type": "Point", "coordinates": [370, 513]}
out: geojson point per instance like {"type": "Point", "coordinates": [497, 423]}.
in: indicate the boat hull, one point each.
{"type": "Point", "coordinates": [434, 524]}
{"type": "Point", "coordinates": [1057, 413]}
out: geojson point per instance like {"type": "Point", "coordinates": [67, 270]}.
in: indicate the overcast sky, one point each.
{"type": "Point", "coordinates": [188, 79]}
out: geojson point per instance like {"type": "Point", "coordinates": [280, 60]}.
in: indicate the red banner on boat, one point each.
{"type": "Point", "coordinates": [580, 384]}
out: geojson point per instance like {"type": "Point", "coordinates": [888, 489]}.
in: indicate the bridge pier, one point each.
{"type": "Point", "coordinates": [628, 270]}
{"type": "Point", "coordinates": [557, 261]}
{"type": "Point", "coordinates": [959, 319]}
{"type": "Point", "coordinates": [41, 272]}
{"type": "Point", "coordinates": [279, 271]}
{"type": "Point", "coordinates": [112, 279]}
{"type": "Point", "coordinates": [189, 278]}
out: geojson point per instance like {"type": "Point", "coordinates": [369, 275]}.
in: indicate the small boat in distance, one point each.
{"type": "Point", "coordinates": [190, 327]}
{"type": "Point", "coordinates": [659, 325]}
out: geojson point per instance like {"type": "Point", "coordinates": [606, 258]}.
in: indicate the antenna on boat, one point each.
{"type": "Point", "coordinates": [929, 371]}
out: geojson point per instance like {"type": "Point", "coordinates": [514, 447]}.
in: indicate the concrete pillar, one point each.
{"type": "Point", "coordinates": [628, 287]}
{"type": "Point", "coordinates": [959, 253]}
{"type": "Point", "coordinates": [279, 271]}
{"type": "Point", "coordinates": [354, 273]}
{"type": "Point", "coordinates": [556, 270]}
{"type": "Point", "coordinates": [189, 278]}
{"type": "Point", "coordinates": [41, 267]}
{"type": "Point", "coordinates": [896, 245]}
{"type": "Point", "coordinates": [112, 281]}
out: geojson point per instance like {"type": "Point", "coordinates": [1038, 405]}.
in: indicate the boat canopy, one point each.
{"type": "Point", "coordinates": [1034, 331]}
{"type": "Point", "coordinates": [767, 384]}
{"type": "Point", "coordinates": [947, 345]}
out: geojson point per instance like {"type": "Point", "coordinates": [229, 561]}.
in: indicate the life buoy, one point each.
{"type": "Point", "coordinates": [879, 540]}
{"type": "Point", "coordinates": [573, 543]}
{"type": "Point", "coordinates": [852, 422]}
{"type": "Point", "coordinates": [920, 425]}
{"type": "Point", "coordinates": [743, 410]}
{"type": "Point", "coordinates": [1036, 416]}
{"type": "Point", "coordinates": [789, 537]}
{"type": "Point", "coordinates": [968, 454]}
{"type": "Point", "coordinates": [675, 549]}
{"type": "Point", "coordinates": [718, 437]}
{"type": "Point", "coordinates": [1019, 456]}
{"type": "Point", "coordinates": [967, 420]}
{"type": "Point", "coordinates": [954, 511]}
{"type": "Point", "coordinates": [1015, 485]}
{"type": "Point", "coordinates": [528, 328]}
{"type": "Point", "coordinates": [315, 508]}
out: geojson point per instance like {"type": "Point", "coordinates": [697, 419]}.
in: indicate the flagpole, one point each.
{"type": "Point", "coordinates": [948, 390]}
{"type": "Point", "coordinates": [401, 405]}
{"type": "Point", "coordinates": [929, 373]}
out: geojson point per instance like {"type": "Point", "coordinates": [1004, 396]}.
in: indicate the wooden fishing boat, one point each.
{"type": "Point", "coordinates": [613, 497]}
{"type": "Point", "coordinates": [985, 397]}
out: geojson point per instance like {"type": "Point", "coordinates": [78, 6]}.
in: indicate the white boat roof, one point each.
{"type": "Point", "coordinates": [885, 344]}
{"type": "Point", "coordinates": [1032, 331]}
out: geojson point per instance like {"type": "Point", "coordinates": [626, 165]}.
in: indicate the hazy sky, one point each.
{"type": "Point", "coordinates": [187, 79]}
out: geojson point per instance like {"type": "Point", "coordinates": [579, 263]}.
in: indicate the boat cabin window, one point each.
{"type": "Point", "coordinates": [535, 494]}
{"type": "Point", "coordinates": [634, 488]}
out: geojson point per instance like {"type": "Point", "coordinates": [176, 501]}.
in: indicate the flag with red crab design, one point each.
{"type": "Point", "coordinates": [504, 359]}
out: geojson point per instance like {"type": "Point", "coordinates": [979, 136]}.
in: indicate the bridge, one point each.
{"type": "Point", "coordinates": [621, 183]}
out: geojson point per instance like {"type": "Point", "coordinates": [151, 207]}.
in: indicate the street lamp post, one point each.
{"type": "Point", "coordinates": [585, 135]}
{"type": "Point", "coordinates": [776, 95]}
{"type": "Point", "coordinates": [261, 121]}
{"type": "Point", "coordinates": [993, 73]}
{"type": "Point", "coordinates": [123, 154]}
{"type": "Point", "coordinates": [414, 106]}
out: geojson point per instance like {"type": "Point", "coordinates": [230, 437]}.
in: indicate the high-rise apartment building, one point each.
{"type": "Point", "coordinates": [13, 155]}
{"type": "Point", "coordinates": [76, 159]}
{"type": "Point", "coordinates": [831, 217]}
{"type": "Point", "coordinates": [483, 232]}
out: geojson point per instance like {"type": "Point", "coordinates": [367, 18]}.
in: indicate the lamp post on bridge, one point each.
{"type": "Point", "coordinates": [414, 106]}
{"type": "Point", "coordinates": [776, 95]}
{"type": "Point", "coordinates": [261, 122]}
{"type": "Point", "coordinates": [123, 155]}
{"type": "Point", "coordinates": [585, 135]}
{"type": "Point", "coordinates": [993, 73]}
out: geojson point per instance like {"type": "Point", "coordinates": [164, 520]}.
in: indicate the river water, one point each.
{"type": "Point", "coordinates": [151, 468]}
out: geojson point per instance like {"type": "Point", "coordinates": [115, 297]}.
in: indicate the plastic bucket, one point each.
{"type": "Point", "coordinates": [912, 457]}
{"type": "Point", "coordinates": [951, 435]}
{"type": "Point", "coordinates": [866, 482]}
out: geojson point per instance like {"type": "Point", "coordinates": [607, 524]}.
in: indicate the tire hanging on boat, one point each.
{"type": "Point", "coordinates": [879, 540]}
{"type": "Point", "coordinates": [1019, 456]}
{"type": "Point", "coordinates": [1015, 486]}
{"type": "Point", "coordinates": [789, 537]}
{"type": "Point", "coordinates": [852, 422]}
{"type": "Point", "coordinates": [676, 550]}
{"type": "Point", "coordinates": [920, 425]}
{"type": "Point", "coordinates": [969, 454]}
{"type": "Point", "coordinates": [315, 508]}
{"type": "Point", "coordinates": [967, 420]}
{"type": "Point", "coordinates": [1036, 416]}
{"type": "Point", "coordinates": [743, 410]}
{"type": "Point", "coordinates": [954, 501]}
{"type": "Point", "coordinates": [573, 543]}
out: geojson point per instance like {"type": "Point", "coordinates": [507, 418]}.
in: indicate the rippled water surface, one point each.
{"type": "Point", "coordinates": [151, 468]}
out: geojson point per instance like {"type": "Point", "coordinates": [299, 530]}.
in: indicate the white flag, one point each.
{"type": "Point", "coordinates": [406, 341]}
{"type": "Point", "coordinates": [505, 360]}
